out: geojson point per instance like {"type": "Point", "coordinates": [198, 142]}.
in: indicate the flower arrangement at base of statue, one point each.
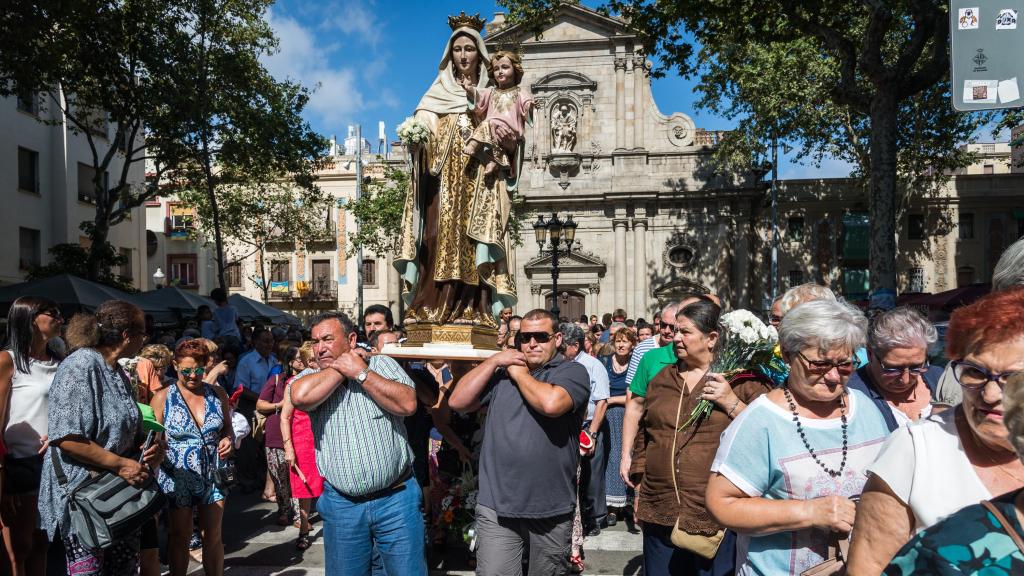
{"type": "Point", "coordinates": [458, 508]}
{"type": "Point", "coordinates": [412, 131]}
{"type": "Point", "coordinates": [745, 341]}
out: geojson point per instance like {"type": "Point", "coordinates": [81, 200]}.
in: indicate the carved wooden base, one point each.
{"type": "Point", "coordinates": [477, 337]}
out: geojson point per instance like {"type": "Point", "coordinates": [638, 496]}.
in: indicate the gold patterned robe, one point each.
{"type": "Point", "coordinates": [454, 254]}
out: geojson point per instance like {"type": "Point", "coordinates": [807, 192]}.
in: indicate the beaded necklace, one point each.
{"type": "Point", "coordinates": [803, 436]}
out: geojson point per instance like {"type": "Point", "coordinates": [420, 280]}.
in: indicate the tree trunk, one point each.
{"type": "Point", "coordinates": [264, 283]}
{"type": "Point", "coordinates": [882, 194]}
{"type": "Point", "coordinates": [100, 228]}
{"type": "Point", "coordinates": [211, 196]}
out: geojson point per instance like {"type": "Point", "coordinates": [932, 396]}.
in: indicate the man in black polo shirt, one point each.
{"type": "Point", "coordinates": [536, 400]}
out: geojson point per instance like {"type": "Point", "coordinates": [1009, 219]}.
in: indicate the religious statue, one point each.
{"type": "Point", "coordinates": [563, 129]}
{"type": "Point", "coordinates": [455, 258]}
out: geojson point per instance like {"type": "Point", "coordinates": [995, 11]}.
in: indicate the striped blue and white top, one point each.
{"type": "Point", "coordinates": [360, 447]}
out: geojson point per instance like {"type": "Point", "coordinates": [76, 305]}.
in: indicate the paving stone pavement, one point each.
{"type": "Point", "coordinates": [255, 546]}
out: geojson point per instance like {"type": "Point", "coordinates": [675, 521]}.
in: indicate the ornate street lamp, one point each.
{"type": "Point", "coordinates": [158, 278]}
{"type": "Point", "coordinates": [561, 233]}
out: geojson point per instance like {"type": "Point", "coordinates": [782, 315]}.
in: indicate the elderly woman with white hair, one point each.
{"type": "Point", "coordinates": [898, 378]}
{"type": "Point", "coordinates": [982, 538]}
{"type": "Point", "coordinates": [932, 469]}
{"type": "Point", "coordinates": [788, 468]}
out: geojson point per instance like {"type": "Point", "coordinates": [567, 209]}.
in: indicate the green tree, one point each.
{"type": "Point", "coordinates": [866, 82]}
{"type": "Point", "coordinates": [236, 126]}
{"type": "Point", "coordinates": [257, 220]}
{"type": "Point", "coordinates": [183, 90]}
{"type": "Point", "coordinates": [378, 212]}
{"type": "Point", "coordinates": [92, 64]}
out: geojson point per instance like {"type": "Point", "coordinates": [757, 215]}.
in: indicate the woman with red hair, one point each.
{"type": "Point", "coordinates": [199, 437]}
{"type": "Point", "coordinates": [934, 468]}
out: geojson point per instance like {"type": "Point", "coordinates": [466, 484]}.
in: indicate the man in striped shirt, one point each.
{"type": "Point", "coordinates": [371, 501]}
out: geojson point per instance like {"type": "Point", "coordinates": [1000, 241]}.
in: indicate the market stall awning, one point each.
{"type": "Point", "coordinates": [74, 294]}
{"type": "Point", "coordinates": [250, 310]}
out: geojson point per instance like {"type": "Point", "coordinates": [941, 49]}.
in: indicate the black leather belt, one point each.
{"type": "Point", "coordinates": [395, 487]}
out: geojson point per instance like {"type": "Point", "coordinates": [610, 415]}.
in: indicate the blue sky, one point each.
{"type": "Point", "coordinates": [372, 60]}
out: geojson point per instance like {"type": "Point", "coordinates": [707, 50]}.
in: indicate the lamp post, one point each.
{"type": "Point", "coordinates": [559, 233]}
{"type": "Point", "coordinates": [158, 278]}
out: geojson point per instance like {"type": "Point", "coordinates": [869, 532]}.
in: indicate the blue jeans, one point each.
{"type": "Point", "coordinates": [391, 524]}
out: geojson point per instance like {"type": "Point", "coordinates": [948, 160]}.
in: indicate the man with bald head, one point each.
{"type": "Point", "coordinates": [649, 357]}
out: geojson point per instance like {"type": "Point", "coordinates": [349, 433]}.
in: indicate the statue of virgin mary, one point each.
{"type": "Point", "coordinates": [454, 257]}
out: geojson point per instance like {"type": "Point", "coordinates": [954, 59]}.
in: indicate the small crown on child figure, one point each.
{"type": "Point", "coordinates": [464, 20]}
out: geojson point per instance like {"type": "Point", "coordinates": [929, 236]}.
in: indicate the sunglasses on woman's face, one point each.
{"type": "Point", "coordinates": [188, 372]}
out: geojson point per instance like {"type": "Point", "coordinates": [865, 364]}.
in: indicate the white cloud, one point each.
{"type": "Point", "coordinates": [303, 57]}
{"type": "Point", "coordinates": [354, 18]}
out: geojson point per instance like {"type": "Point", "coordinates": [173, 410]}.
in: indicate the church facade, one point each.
{"type": "Point", "coordinates": [654, 218]}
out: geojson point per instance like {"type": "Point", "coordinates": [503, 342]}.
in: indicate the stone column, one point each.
{"type": "Point", "coordinates": [639, 80]}
{"type": "Point", "coordinates": [593, 300]}
{"type": "Point", "coordinates": [537, 298]}
{"type": "Point", "coordinates": [620, 263]}
{"type": "Point", "coordinates": [620, 103]}
{"type": "Point", "coordinates": [628, 89]}
{"type": "Point", "coordinates": [640, 268]}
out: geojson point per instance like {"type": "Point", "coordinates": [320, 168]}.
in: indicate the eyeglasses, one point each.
{"type": "Point", "coordinates": [974, 377]}
{"type": "Point", "coordinates": [188, 372]}
{"type": "Point", "coordinates": [540, 337]}
{"type": "Point", "coordinates": [55, 314]}
{"type": "Point", "coordinates": [775, 319]}
{"type": "Point", "coordinates": [134, 333]}
{"type": "Point", "coordinates": [919, 369]}
{"type": "Point", "coordinates": [825, 366]}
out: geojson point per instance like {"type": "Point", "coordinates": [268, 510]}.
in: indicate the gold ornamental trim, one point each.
{"type": "Point", "coordinates": [476, 336]}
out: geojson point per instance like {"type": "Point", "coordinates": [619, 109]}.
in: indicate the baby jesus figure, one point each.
{"type": "Point", "coordinates": [508, 105]}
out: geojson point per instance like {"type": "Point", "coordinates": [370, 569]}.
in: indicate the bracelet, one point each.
{"type": "Point", "coordinates": [733, 409]}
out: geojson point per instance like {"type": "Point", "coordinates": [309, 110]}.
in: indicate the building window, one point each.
{"type": "Point", "coordinates": [964, 276]}
{"type": "Point", "coordinates": [915, 226]}
{"type": "Point", "coordinates": [28, 102]}
{"type": "Point", "coordinates": [916, 283]}
{"type": "Point", "coordinates": [28, 170]}
{"type": "Point", "coordinates": [796, 278]}
{"type": "Point", "coordinates": [234, 274]}
{"type": "Point", "coordinates": [180, 220]}
{"type": "Point", "coordinates": [795, 229]}
{"type": "Point", "coordinates": [966, 226]}
{"type": "Point", "coordinates": [989, 169]}
{"type": "Point", "coordinates": [369, 272]}
{"type": "Point", "coordinates": [181, 270]}
{"type": "Point", "coordinates": [126, 267]}
{"type": "Point", "coordinates": [86, 187]}
{"type": "Point", "coordinates": [280, 271]}
{"type": "Point", "coordinates": [29, 248]}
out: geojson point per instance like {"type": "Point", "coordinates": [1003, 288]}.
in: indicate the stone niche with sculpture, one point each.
{"type": "Point", "coordinates": [561, 135]}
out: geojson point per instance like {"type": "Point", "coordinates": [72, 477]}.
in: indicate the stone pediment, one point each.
{"type": "Point", "coordinates": [574, 262]}
{"type": "Point", "coordinates": [570, 23]}
{"type": "Point", "coordinates": [563, 80]}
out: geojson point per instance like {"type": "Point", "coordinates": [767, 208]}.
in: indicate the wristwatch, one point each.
{"type": "Point", "coordinates": [361, 377]}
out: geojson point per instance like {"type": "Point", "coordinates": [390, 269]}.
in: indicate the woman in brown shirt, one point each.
{"type": "Point", "coordinates": [658, 502]}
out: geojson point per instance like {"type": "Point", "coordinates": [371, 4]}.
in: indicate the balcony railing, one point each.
{"type": "Point", "coordinates": [322, 290]}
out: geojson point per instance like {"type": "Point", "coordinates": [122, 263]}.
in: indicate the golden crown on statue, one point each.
{"type": "Point", "coordinates": [464, 20]}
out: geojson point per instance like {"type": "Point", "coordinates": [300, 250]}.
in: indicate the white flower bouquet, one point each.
{"type": "Point", "coordinates": [412, 131]}
{"type": "Point", "coordinates": [742, 336]}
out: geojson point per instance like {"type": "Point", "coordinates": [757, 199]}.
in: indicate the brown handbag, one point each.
{"type": "Point", "coordinates": [835, 562]}
{"type": "Point", "coordinates": [700, 544]}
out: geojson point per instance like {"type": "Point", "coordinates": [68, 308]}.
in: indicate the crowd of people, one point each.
{"type": "Point", "coordinates": [843, 447]}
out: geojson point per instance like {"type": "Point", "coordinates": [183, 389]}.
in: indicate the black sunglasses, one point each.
{"type": "Point", "coordinates": [540, 337]}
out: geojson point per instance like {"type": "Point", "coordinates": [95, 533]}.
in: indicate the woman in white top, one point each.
{"type": "Point", "coordinates": [929, 470]}
{"type": "Point", "coordinates": [27, 367]}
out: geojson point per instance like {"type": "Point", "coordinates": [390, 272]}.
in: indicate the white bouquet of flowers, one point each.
{"type": "Point", "coordinates": [412, 131]}
{"type": "Point", "coordinates": [742, 335]}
